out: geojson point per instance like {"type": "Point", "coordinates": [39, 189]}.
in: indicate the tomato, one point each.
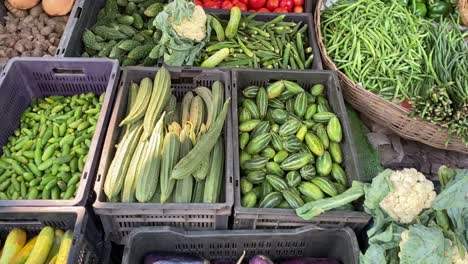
{"type": "Point", "coordinates": [298, 9]}
{"type": "Point", "coordinates": [198, 3]}
{"type": "Point", "coordinates": [407, 104]}
{"type": "Point", "coordinates": [246, 2]}
{"type": "Point", "coordinates": [227, 5]}
{"type": "Point", "coordinates": [241, 6]}
{"type": "Point", "coordinates": [211, 4]}
{"type": "Point", "coordinates": [264, 10]}
{"type": "Point", "coordinates": [234, 2]}
{"type": "Point", "coordinates": [299, 2]}
{"type": "Point", "coordinates": [281, 10]}
{"type": "Point", "coordinates": [272, 4]}
{"type": "Point", "coordinates": [256, 4]}
{"type": "Point", "coordinates": [288, 4]}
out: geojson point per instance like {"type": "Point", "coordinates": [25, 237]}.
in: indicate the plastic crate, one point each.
{"type": "Point", "coordinates": [309, 241]}
{"type": "Point", "coordinates": [87, 247]}
{"type": "Point", "coordinates": [24, 79]}
{"type": "Point", "coordinates": [261, 218]}
{"type": "Point", "coordinates": [84, 17]}
{"type": "Point", "coordinates": [119, 219]}
{"type": "Point", "coordinates": [289, 17]}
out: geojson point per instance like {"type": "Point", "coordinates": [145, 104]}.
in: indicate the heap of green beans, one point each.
{"type": "Point", "coordinates": [446, 102]}
{"type": "Point", "coordinates": [380, 45]}
{"type": "Point", "coordinates": [276, 44]}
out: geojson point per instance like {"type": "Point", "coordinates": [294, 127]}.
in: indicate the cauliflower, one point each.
{"type": "Point", "coordinates": [457, 259]}
{"type": "Point", "coordinates": [193, 28]}
{"type": "Point", "coordinates": [411, 194]}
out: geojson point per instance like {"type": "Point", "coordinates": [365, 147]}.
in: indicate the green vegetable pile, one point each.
{"type": "Point", "coordinates": [124, 31]}
{"type": "Point", "coordinates": [382, 46]}
{"type": "Point", "coordinates": [246, 42]}
{"type": "Point", "coordinates": [411, 224]}
{"type": "Point", "coordinates": [44, 158]}
{"type": "Point", "coordinates": [445, 99]}
{"type": "Point", "coordinates": [401, 57]}
{"type": "Point", "coordinates": [289, 140]}
{"type": "Point", "coordinates": [431, 9]}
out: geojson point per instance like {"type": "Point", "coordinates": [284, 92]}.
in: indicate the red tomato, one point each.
{"type": "Point", "coordinates": [246, 2]}
{"type": "Point", "coordinates": [256, 4]}
{"type": "Point", "coordinates": [227, 5]}
{"type": "Point", "coordinates": [288, 4]}
{"type": "Point", "coordinates": [241, 6]}
{"type": "Point", "coordinates": [234, 2]}
{"type": "Point", "coordinates": [281, 10]}
{"type": "Point", "coordinates": [272, 4]}
{"type": "Point", "coordinates": [198, 3]}
{"type": "Point", "coordinates": [298, 9]}
{"type": "Point", "coordinates": [299, 2]}
{"type": "Point", "coordinates": [407, 104]}
{"type": "Point", "coordinates": [264, 10]}
{"type": "Point", "coordinates": [212, 4]}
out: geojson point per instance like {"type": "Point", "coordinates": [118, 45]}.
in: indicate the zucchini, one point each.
{"type": "Point", "coordinates": [170, 156]}
{"type": "Point", "coordinates": [148, 177]}
{"type": "Point", "coordinates": [13, 244]}
{"type": "Point", "coordinates": [43, 245]}
{"type": "Point", "coordinates": [233, 24]}
{"type": "Point", "coordinates": [65, 247]}
{"type": "Point", "coordinates": [184, 187]}
{"type": "Point", "coordinates": [141, 104]}
{"type": "Point", "coordinates": [214, 178]}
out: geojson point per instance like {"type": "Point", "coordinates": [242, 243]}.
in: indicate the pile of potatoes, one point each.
{"type": "Point", "coordinates": [29, 32]}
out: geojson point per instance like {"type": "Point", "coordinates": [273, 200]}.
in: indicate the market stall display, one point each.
{"type": "Point", "coordinates": [290, 246]}
{"type": "Point", "coordinates": [32, 28]}
{"type": "Point", "coordinates": [287, 169]}
{"type": "Point", "coordinates": [265, 6]}
{"type": "Point", "coordinates": [260, 41]}
{"type": "Point", "coordinates": [54, 116]}
{"type": "Point", "coordinates": [41, 235]}
{"type": "Point", "coordinates": [194, 192]}
{"type": "Point", "coordinates": [433, 67]}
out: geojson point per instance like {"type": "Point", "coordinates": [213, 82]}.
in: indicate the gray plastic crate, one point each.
{"type": "Point", "coordinates": [87, 247]}
{"type": "Point", "coordinates": [340, 244]}
{"type": "Point", "coordinates": [290, 17]}
{"type": "Point", "coordinates": [261, 218]}
{"type": "Point", "coordinates": [119, 219]}
{"type": "Point", "coordinates": [24, 79]}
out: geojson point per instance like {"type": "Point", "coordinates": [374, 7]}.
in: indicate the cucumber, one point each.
{"type": "Point", "coordinates": [276, 182]}
{"type": "Point", "coordinates": [257, 144]}
{"type": "Point", "coordinates": [293, 178]}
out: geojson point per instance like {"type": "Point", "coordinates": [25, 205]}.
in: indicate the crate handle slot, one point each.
{"type": "Point", "coordinates": [62, 71]}
{"type": "Point", "coordinates": [20, 222]}
{"type": "Point", "coordinates": [78, 12]}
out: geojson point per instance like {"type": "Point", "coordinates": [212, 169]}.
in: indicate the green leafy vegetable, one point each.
{"type": "Point", "coordinates": [179, 43]}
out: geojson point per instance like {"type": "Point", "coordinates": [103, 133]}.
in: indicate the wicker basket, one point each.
{"type": "Point", "coordinates": [386, 113]}
{"type": "Point", "coordinates": [463, 10]}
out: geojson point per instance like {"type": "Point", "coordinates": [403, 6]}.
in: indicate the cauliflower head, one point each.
{"type": "Point", "coordinates": [193, 28]}
{"type": "Point", "coordinates": [412, 193]}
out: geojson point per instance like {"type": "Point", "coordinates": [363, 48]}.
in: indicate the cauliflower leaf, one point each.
{"type": "Point", "coordinates": [455, 195]}
{"type": "Point", "coordinates": [424, 245]}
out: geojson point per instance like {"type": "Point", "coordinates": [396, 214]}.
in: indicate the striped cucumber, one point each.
{"type": "Point", "coordinates": [296, 161]}
{"type": "Point", "coordinates": [262, 102]}
{"type": "Point", "coordinates": [170, 156]}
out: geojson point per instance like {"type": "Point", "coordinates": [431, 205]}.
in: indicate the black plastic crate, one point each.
{"type": "Point", "coordinates": [24, 79]}
{"type": "Point", "coordinates": [88, 246]}
{"type": "Point", "coordinates": [271, 218]}
{"type": "Point", "coordinates": [119, 219]}
{"type": "Point", "coordinates": [290, 17]}
{"type": "Point", "coordinates": [84, 17]}
{"type": "Point", "coordinates": [309, 241]}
